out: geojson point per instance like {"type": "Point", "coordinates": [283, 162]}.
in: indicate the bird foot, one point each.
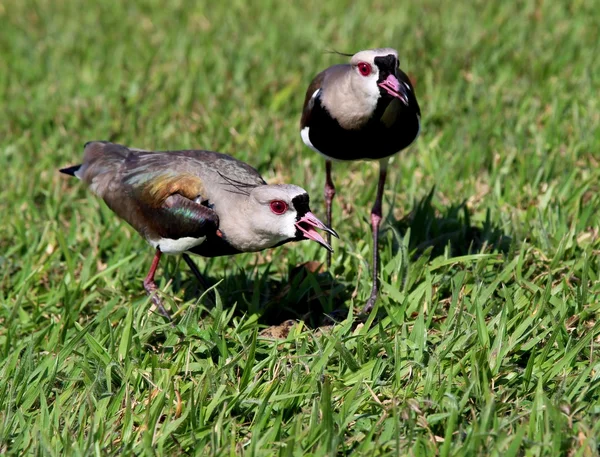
{"type": "Point", "coordinates": [370, 303]}
{"type": "Point", "coordinates": [152, 291]}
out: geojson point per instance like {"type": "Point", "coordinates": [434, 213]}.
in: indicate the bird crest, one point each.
{"type": "Point", "coordinates": [239, 187]}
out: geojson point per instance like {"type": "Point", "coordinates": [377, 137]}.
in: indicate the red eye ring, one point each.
{"type": "Point", "coordinates": [279, 206]}
{"type": "Point", "coordinates": [364, 68]}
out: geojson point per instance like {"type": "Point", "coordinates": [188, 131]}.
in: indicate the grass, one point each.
{"type": "Point", "coordinates": [485, 340]}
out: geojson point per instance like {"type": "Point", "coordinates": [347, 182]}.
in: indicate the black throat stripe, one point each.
{"type": "Point", "coordinates": [301, 204]}
{"type": "Point", "coordinates": [387, 65]}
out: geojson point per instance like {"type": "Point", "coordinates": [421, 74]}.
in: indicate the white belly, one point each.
{"type": "Point", "coordinates": [169, 246]}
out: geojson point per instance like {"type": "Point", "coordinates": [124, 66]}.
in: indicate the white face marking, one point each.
{"type": "Point", "coordinates": [273, 228]}
{"type": "Point", "coordinates": [169, 246]}
{"type": "Point", "coordinates": [352, 98]}
{"type": "Point", "coordinates": [315, 94]}
{"type": "Point", "coordinates": [261, 228]}
{"type": "Point", "coordinates": [367, 85]}
{"type": "Point", "coordinates": [254, 226]}
{"type": "Point", "coordinates": [287, 223]}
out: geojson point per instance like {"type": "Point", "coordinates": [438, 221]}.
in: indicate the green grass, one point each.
{"type": "Point", "coordinates": [485, 340]}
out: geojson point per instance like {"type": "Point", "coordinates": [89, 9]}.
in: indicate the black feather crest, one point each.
{"type": "Point", "coordinates": [242, 188]}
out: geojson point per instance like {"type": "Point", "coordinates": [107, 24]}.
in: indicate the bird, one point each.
{"type": "Point", "coordinates": [364, 110]}
{"type": "Point", "coordinates": [195, 201]}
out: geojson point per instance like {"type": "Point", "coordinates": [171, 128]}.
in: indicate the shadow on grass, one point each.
{"type": "Point", "coordinates": [309, 292]}
{"type": "Point", "coordinates": [450, 228]}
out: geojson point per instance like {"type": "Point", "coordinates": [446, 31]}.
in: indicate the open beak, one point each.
{"type": "Point", "coordinates": [395, 88]}
{"type": "Point", "coordinates": [307, 225]}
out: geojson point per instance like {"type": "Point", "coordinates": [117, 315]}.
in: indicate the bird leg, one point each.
{"type": "Point", "coordinates": [375, 222]}
{"type": "Point", "coordinates": [329, 194]}
{"type": "Point", "coordinates": [196, 271]}
{"type": "Point", "coordinates": [151, 286]}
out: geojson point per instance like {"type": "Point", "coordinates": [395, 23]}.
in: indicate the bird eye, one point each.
{"type": "Point", "coordinates": [364, 68]}
{"type": "Point", "coordinates": [279, 206]}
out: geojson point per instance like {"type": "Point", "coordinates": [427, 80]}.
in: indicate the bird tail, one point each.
{"type": "Point", "coordinates": [101, 162]}
{"type": "Point", "coordinates": [93, 151]}
{"type": "Point", "coordinates": [70, 170]}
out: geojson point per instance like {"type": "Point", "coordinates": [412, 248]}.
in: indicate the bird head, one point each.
{"type": "Point", "coordinates": [376, 73]}
{"type": "Point", "coordinates": [281, 213]}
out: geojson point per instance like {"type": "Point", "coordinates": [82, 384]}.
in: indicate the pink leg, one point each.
{"type": "Point", "coordinates": [329, 194]}
{"type": "Point", "coordinates": [375, 222]}
{"type": "Point", "coordinates": [151, 287]}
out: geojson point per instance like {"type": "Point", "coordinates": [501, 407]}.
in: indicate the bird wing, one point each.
{"type": "Point", "coordinates": [412, 98]}
{"type": "Point", "coordinates": [166, 194]}
{"type": "Point", "coordinates": [171, 204]}
{"type": "Point", "coordinates": [309, 99]}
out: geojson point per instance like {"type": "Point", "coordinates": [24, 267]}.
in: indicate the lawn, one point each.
{"type": "Point", "coordinates": [486, 338]}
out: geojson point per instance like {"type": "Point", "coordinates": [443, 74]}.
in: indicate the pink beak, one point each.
{"type": "Point", "coordinates": [395, 88]}
{"type": "Point", "coordinates": [307, 225]}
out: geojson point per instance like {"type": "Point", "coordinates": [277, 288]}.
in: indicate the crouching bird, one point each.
{"type": "Point", "coordinates": [201, 202]}
{"type": "Point", "coordinates": [364, 110]}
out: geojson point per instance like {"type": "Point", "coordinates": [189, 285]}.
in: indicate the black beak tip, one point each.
{"type": "Point", "coordinates": [326, 246]}
{"type": "Point", "coordinates": [403, 94]}
{"type": "Point", "coordinates": [333, 232]}
{"type": "Point", "coordinates": [70, 170]}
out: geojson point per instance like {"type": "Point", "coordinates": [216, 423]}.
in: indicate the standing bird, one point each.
{"type": "Point", "coordinates": [364, 110]}
{"type": "Point", "coordinates": [201, 202]}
